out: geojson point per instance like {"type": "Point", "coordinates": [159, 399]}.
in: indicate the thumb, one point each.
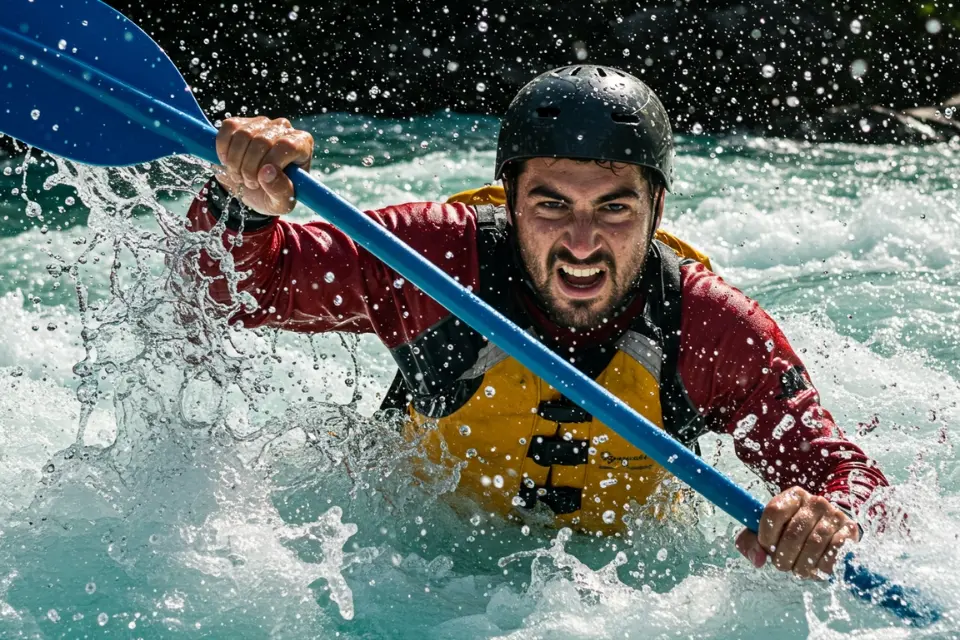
{"type": "Point", "coordinates": [278, 187]}
{"type": "Point", "coordinates": [749, 546]}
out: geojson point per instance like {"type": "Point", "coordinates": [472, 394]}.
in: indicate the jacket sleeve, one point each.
{"type": "Point", "coordinates": [312, 277]}
{"type": "Point", "coordinates": [746, 381]}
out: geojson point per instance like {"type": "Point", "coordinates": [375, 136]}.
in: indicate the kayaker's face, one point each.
{"type": "Point", "coordinates": [583, 230]}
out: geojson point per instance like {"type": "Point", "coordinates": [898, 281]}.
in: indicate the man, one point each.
{"type": "Point", "coordinates": [586, 158]}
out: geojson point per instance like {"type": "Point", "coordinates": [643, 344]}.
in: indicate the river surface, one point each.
{"type": "Point", "coordinates": [163, 475]}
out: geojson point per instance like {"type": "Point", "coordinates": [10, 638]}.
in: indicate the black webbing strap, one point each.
{"type": "Point", "coordinates": [665, 308]}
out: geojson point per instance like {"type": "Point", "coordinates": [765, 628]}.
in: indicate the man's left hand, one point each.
{"type": "Point", "coordinates": [801, 532]}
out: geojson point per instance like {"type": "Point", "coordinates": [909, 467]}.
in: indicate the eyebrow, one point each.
{"type": "Point", "coordinates": [547, 192]}
{"type": "Point", "coordinates": [626, 192]}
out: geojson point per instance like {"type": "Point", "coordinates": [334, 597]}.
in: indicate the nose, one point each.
{"type": "Point", "coordinates": [582, 239]}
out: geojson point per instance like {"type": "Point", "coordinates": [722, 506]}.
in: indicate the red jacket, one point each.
{"type": "Point", "coordinates": [737, 366]}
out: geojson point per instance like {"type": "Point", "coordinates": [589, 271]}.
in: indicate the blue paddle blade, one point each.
{"type": "Point", "coordinates": [61, 62]}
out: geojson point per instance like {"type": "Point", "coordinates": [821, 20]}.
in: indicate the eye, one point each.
{"type": "Point", "coordinates": [553, 204]}
{"type": "Point", "coordinates": [616, 207]}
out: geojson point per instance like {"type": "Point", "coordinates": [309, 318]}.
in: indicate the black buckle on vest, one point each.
{"type": "Point", "coordinates": [560, 499]}
{"type": "Point", "coordinates": [562, 411]}
{"type": "Point", "coordinates": [550, 450]}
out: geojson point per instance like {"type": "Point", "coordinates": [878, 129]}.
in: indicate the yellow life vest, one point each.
{"type": "Point", "coordinates": [517, 441]}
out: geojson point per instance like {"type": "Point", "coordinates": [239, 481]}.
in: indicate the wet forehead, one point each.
{"type": "Point", "coordinates": [579, 180]}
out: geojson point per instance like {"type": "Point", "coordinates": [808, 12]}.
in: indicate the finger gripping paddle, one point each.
{"type": "Point", "coordinates": [79, 80]}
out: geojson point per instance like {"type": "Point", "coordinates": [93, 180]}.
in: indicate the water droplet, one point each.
{"type": "Point", "coordinates": [52, 326]}
{"type": "Point", "coordinates": [35, 114]}
{"type": "Point", "coordinates": [697, 128]}
{"type": "Point", "coordinates": [662, 555]}
{"type": "Point", "coordinates": [498, 482]}
{"type": "Point", "coordinates": [424, 144]}
{"type": "Point", "coordinates": [91, 587]}
{"type": "Point", "coordinates": [374, 91]}
{"type": "Point", "coordinates": [352, 96]}
{"type": "Point", "coordinates": [367, 161]}
{"type": "Point", "coordinates": [337, 301]}
{"type": "Point", "coordinates": [292, 15]}
{"type": "Point", "coordinates": [234, 8]}
{"type": "Point", "coordinates": [475, 520]}
{"type": "Point", "coordinates": [33, 210]}
{"type": "Point", "coordinates": [626, 52]}
{"type": "Point", "coordinates": [767, 71]}
{"type": "Point", "coordinates": [471, 453]}
{"type": "Point", "coordinates": [525, 530]}
{"type": "Point", "coordinates": [328, 276]}
{"type": "Point", "coordinates": [856, 27]}
{"type": "Point", "coordinates": [53, 616]}
{"type": "Point", "coordinates": [194, 61]}
{"type": "Point", "coordinates": [933, 26]}
{"type": "Point", "coordinates": [481, 87]}
{"type": "Point", "coordinates": [398, 283]}
{"type": "Point", "coordinates": [464, 430]}
{"type": "Point", "coordinates": [489, 391]}
{"type": "Point", "coordinates": [102, 619]}
{"type": "Point", "coordinates": [62, 45]}
{"type": "Point", "coordinates": [858, 68]}
{"type": "Point", "coordinates": [50, 468]}
{"type": "Point", "coordinates": [609, 517]}
{"type": "Point", "coordinates": [448, 255]}
{"type": "Point", "coordinates": [7, 171]}
{"type": "Point", "coordinates": [482, 26]}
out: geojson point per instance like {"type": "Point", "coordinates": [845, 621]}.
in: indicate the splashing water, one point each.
{"type": "Point", "coordinates": [166, 473]}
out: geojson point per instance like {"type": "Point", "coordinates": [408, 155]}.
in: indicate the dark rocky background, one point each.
{"type": "Point", "coordinates": [820, 69]}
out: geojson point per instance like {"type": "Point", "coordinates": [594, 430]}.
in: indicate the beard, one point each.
{"type": "Point", "coordinates": [587, 313]}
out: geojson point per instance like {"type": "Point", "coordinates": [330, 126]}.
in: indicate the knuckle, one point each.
{"type": "Point", "coordinates": [820, 504]}
{"type": "Point", "coordinates": [286, 145]}
{"type": "Point", "coordinates": [282, 122]}
{"type": "Point", "coordinates": [261, 141]}
{"type": "Point", "coordinates": [794, 531]}
{"type": "Point", "coordinates": [243, 135]}
{"type": "Point", "coordinates": [824, 530]}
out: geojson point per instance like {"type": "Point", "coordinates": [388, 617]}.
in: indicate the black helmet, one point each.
{"type": "Point", "coordinates": [590, 112]}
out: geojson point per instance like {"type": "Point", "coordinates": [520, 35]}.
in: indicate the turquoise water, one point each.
{"type": "Point", "coordinates": [165, 476]}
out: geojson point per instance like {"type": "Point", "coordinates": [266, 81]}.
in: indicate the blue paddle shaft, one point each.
{"type": "Point", "coordinates": [101, 104]}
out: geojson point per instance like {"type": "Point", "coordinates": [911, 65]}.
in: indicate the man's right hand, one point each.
{"type": "Point", "coordinates": [254, 152]}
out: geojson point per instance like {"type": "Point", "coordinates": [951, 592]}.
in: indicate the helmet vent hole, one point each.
{"type": "Point", "coordinates": [548, 112]}
{"type": "Point", "coordinates": [625, 118]}
{"type": "Point", "coordinates": [576, 71]}
{"type": "Point", "coordinates": [601, 72]}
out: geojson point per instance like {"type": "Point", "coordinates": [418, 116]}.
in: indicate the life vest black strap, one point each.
{"type": "Point", "coordinates": [547, 451]}
{"type": "Point", "coordinates": [560, 499]}
{"type": "Point", "coordinates": [664, 309]}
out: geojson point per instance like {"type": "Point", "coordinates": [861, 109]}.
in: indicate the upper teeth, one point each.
{"type": "Point", "coordinates": [581, 273]}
